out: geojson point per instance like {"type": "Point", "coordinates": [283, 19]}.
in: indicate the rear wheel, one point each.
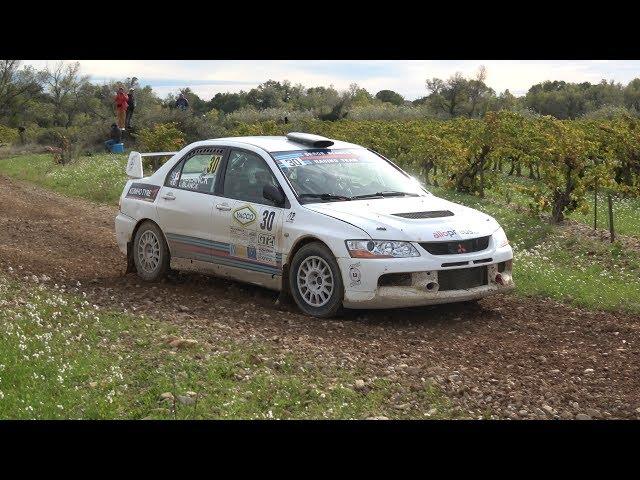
{"type": "Point", "coordinates": [315, 281]}
{"type": "Point", "coordinates": [150, 252]}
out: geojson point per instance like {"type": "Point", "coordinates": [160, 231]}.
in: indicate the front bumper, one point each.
{"type": "Point", "coordinates": [423, 278]}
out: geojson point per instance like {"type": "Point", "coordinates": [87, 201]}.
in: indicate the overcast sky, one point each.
{"type": "Point", "coordinates": [207, 77]}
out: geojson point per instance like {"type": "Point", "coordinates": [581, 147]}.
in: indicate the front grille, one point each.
{"type": "Point", "coordinates": [462, 278]}
{"type": "Point", "coordinates": [394, 280]}
{"type": "Point", "coordinates": [454, 264]}
{"type": "Point", "coordinates": [453, 248]}
{"type": "Point", "coordinates": [483, 260]}
{"type": "Point", "coordinates": [433, 214]}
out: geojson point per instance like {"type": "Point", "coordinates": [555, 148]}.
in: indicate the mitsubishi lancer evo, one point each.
{"type": "Point", "coordinates": [331, 223]}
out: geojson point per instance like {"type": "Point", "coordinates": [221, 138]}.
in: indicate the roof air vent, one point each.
{"type": "Point", "coordinates": [308, 139]}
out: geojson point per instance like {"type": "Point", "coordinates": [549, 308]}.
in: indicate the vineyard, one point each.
{"type": "Point", "coordinates": [568, 159]}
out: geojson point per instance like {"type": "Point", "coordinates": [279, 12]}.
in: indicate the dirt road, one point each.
{"type": "Point", "coordinates": [512, 357]}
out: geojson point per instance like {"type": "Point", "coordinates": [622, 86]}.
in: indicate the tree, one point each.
{"type": "Point", "coordinates": [448, 95]}
{"type": "Point", "coordinates": [196, 104]}
{"type": "Point", "coordinates": [16, 87]}
{"type": "Point", "coordinates": [506, 101]}
{"type": "Point", "coordinates": [477, 91]}
{"type": "Point", "coordinates": [66, 89]}
{"type": "Point", "coordinates": [271, 94]}
{"type": "Point", "coordinates": [228, 102]}
{"type": "Point", "coordinates": [631, 95]}
{"type": "Point", "coordinates": [573, 100]}
{"type": "Point", "coordinates": [359, 96]}
{"type": "Point", "coordinates": [390, 96]}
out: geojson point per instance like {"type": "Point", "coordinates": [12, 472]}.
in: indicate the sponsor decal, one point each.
{"type": "Point", "coordinates": [222, 253]}
{"type": "Point", "coordinates": [238, 250]}
{"type": "Point", "coordinates": [175, 177]}
{"type": "Point", "coordinates": [245, 215]}
{"type": "Point", "coordinates": [255, 237]}
{"type": "Point", "coordinates": [196, 183]}
{"type": "Point", "coordinates": [291, 217]}
{"type": "Point", "coordinates": [448, 233]}
{"type": "Point", "coordinates": [468, 232]}
{"type": "Point", "coordinates": [143, 191]}
{"type": "Point", "coordinates": [315, 157]}
{"type": "Point", "coordinates": [355, 276]}
{"type": "Point", "coordinates": [266, 240]}
{"type": "Point", "coordinates": [213, 163]}
{"type": "Point", "coordinates": [242, 236]}
{"type": "Point", "coordinates": [265, 256]}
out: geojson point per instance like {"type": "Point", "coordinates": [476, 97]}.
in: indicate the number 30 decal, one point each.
{"type": "Point", "coordinates": [267, 220]}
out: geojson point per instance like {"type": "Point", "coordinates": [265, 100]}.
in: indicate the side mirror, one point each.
{"type": "Point", "coordinates": [274, 194]}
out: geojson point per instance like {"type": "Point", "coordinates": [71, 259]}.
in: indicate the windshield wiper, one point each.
{"type": "Point", "coordinates": [387, 193]}
{"type": "Point", "coordinates": [325, 196]}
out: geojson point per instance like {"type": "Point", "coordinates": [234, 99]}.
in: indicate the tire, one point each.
{"type": "Point", "coordinates": [150, 253]}
{"type": "Point", "coordinates": [315, 281]}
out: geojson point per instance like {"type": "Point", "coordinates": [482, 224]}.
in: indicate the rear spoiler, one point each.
{"type": "Point", "coordinates": [134, 164]}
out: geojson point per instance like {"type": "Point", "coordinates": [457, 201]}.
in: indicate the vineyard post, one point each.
{"type": "Point", "coordinates": [611, 229]}
{"type": "Point", "coordinates": [595, 205]}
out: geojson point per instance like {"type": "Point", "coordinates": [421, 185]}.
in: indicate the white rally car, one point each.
{"type": "Point", "coordinates": [332, 223]}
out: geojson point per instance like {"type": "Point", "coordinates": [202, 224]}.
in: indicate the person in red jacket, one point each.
{"type": "Point", "coordinates": [121, 107]}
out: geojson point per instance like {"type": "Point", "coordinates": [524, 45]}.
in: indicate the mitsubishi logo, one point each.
{"type": "Point", "coordinates": [461, 248]}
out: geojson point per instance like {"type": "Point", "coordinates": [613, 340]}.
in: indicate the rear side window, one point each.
{"type": "Point", "coordinates": [198, 171]}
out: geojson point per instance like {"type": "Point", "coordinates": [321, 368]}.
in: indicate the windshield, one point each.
{"type": "Point", "coordinates": [344, 174]}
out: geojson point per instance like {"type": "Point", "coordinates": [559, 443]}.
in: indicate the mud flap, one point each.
{"type": "Point", "coordinates": [131, 266]}
{"type": "Point", "coordinates": [284, 296]}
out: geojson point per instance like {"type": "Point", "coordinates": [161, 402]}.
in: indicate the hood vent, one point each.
{"type": "Point", "coordinates": [433, 214]}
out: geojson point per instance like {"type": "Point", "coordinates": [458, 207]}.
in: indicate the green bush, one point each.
{"type": "Point", "coordinates": [8, 135]}
{"type": "Point", "coordinates": [163, 137]}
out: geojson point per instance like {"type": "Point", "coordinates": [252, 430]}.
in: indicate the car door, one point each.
{"type": "Point", "coordinates": [250, 224]}
{"type": "Point", "coordinates": [186, 202]}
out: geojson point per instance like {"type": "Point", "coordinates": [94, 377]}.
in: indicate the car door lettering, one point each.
{"type": "Point", "coordinates": [267, 220]}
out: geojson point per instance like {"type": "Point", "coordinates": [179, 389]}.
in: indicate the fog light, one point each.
{"type": "Point", "coordinates": [499, 280]}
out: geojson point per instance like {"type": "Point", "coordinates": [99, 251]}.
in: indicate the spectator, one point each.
{"type": "Point", "coordinates": [121, 108]}
{"type": "Point", "coordinates": [116, 137]}
{"type": "Point", "coordinates": [131, 105]}
{"type": "Point", "coordinates": [182, 103]}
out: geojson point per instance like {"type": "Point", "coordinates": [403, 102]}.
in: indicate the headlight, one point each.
{"type": "Point", "coordinates": [500, 238]}
{"type": "Point", "coordinates": [380, 249]}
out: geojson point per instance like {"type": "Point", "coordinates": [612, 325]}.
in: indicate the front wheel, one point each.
{"type": "Point", "coordinates": [315, 281]}
{"type": "Point", "coordinates": [150, 252]}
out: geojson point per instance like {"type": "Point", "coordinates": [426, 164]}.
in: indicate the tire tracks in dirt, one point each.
{"type": "Point", "coordinates": [514, 357]}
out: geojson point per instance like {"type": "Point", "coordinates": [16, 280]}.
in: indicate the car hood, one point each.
{"type": "Point", "coordinates": [379, 218]}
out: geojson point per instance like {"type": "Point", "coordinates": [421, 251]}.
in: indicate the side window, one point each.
{"type": "Point", "coordinates": [245, 176]}
{"type": "Point", "coordinates": [174, 175]}
{"type": "Point", "coordinates": [198, 172]}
